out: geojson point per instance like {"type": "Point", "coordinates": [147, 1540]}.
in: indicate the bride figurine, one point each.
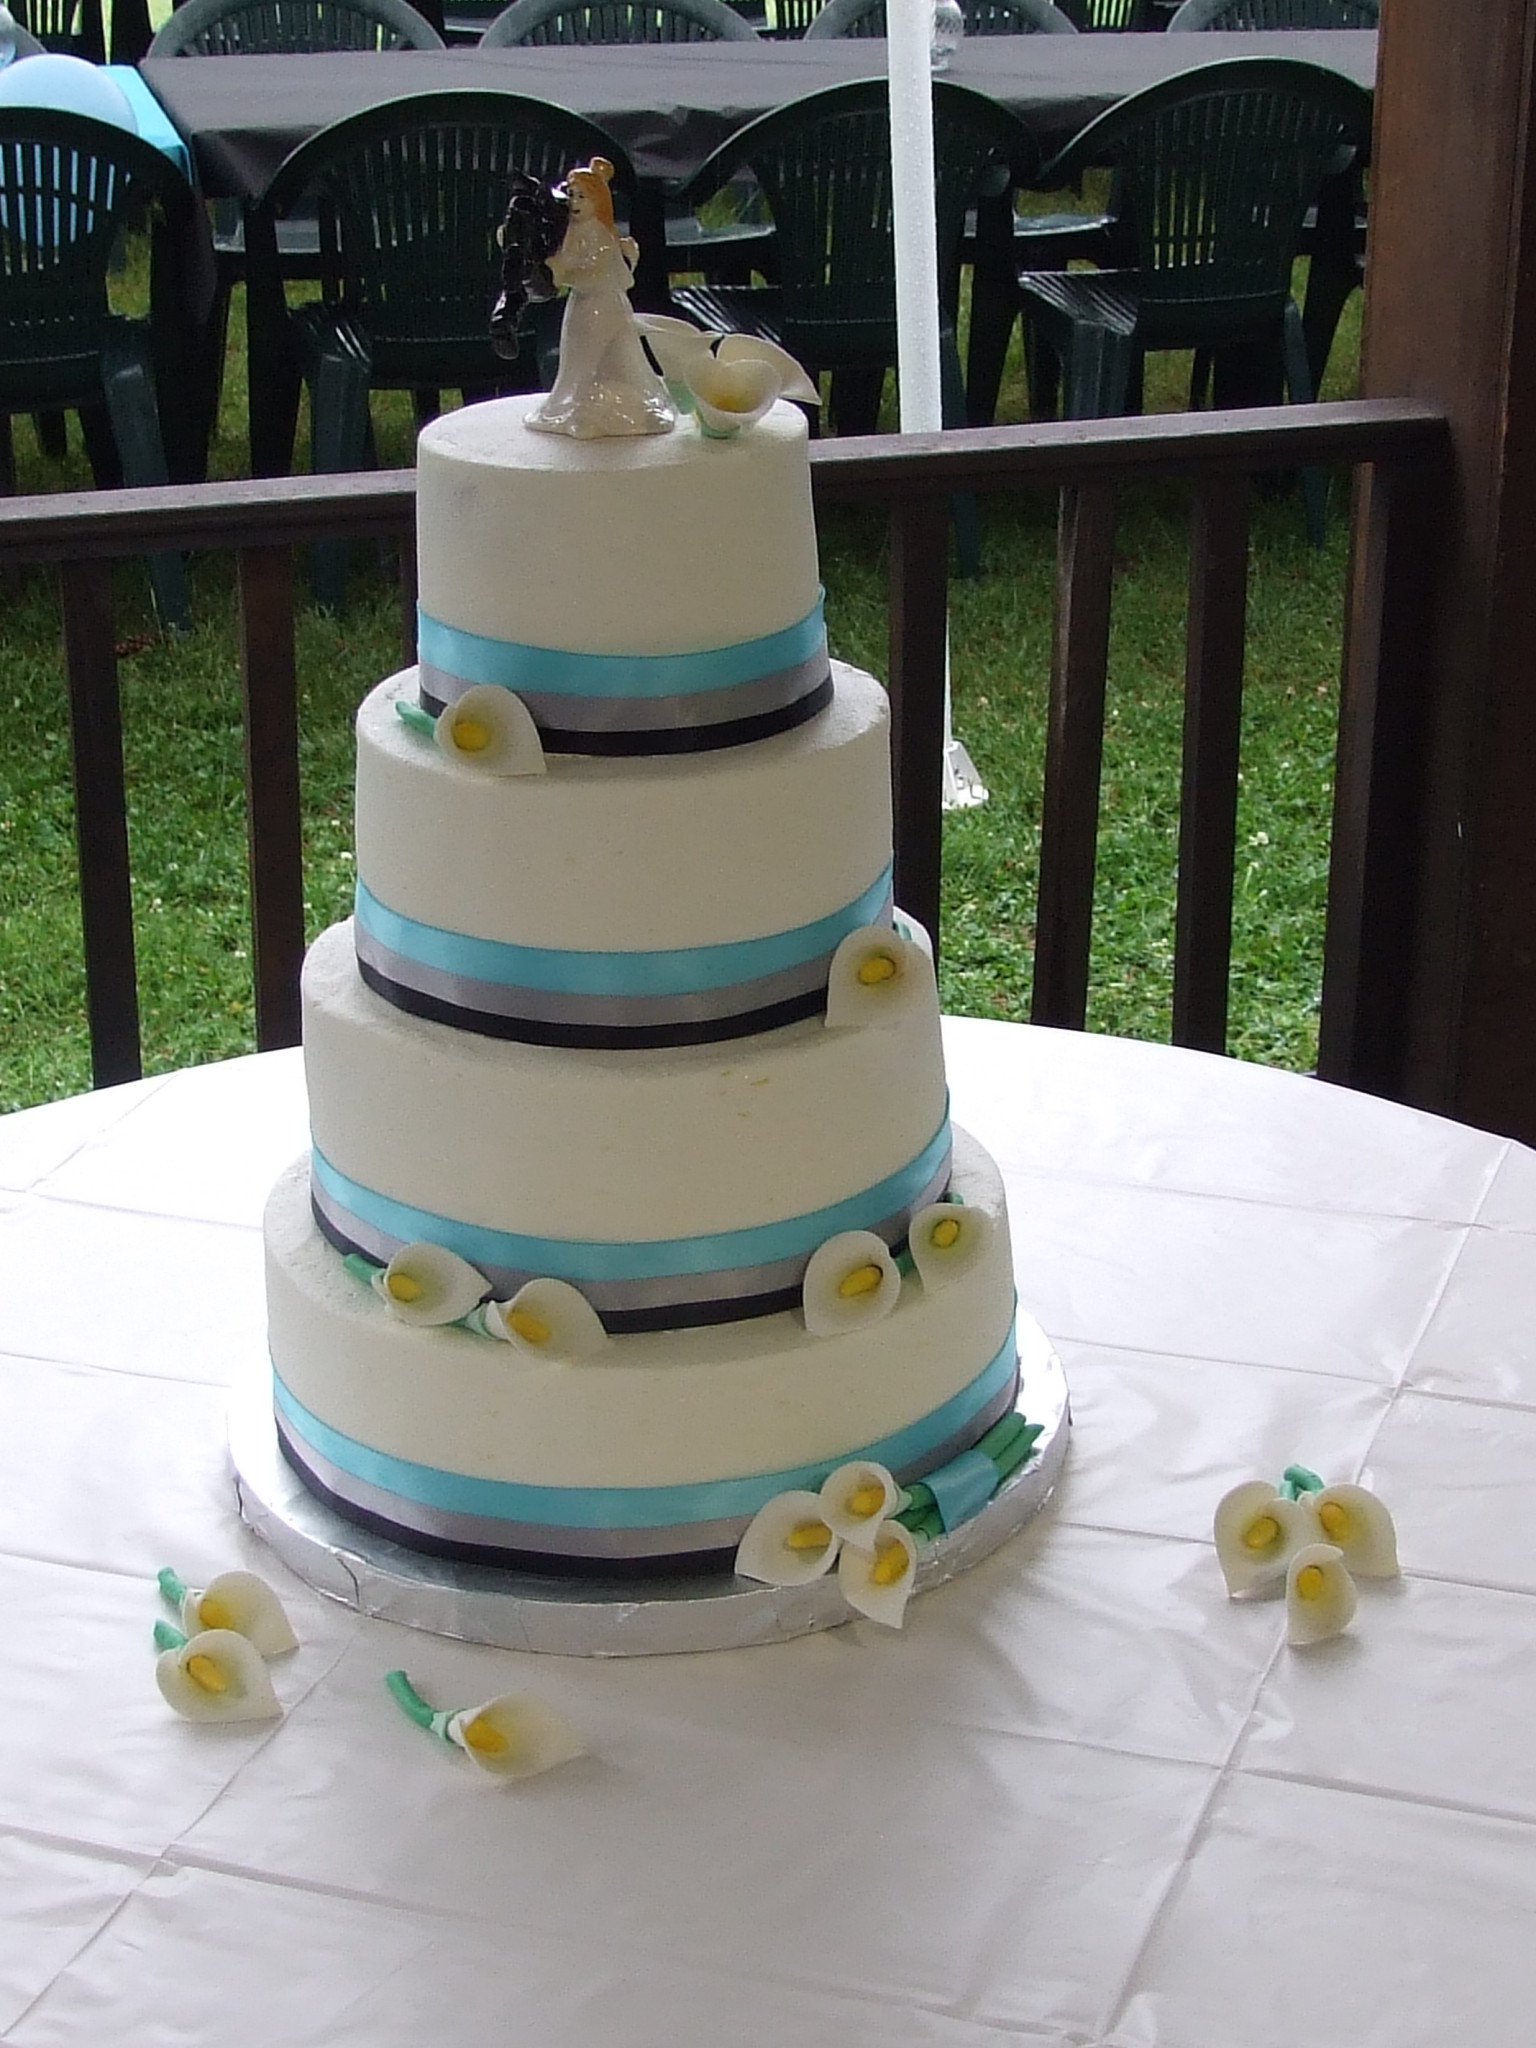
{"type": "Point", "coordinates": [605, 385]}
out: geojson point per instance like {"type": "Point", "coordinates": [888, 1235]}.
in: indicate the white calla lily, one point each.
{"type": "Point", "coordinates": [490, 730]}
{"type": "Point", "coordinates": [730, 396]}
{"type": "Point", "coordinates": [876, 977]}
{"type": "Point", "coordinates": [244, 1604]}
{"type": "Point", "coordinates": [851, 1281]}
{"type": "Point", "coordinates": [1356, 1523]}
{"type": "Point", "coordinates": [1319, 1594]}
{"type": "Point", "coordinates": [547, 1318]}
{"type": "Point", "coordinates": [910, 929]}
{"type": "Point", "coordinates": [788, 1542]}
{"type": "Point", "coordinates": [794, 380]}
{"type": "Point", "coordinates": [217, 1675]}
{"type": "Point", "coordinates": [945, 1240]}
{"type": "Point", "coordinates": [674, 343]}
{"type": "Point", "coordinates": [1258, 1531]}
{"type": "Point", "coordinates": [513, 1736]}
{"type": "Point", "coordinates": [878, 1582]}
{"type": "Point", "coordinates": [856, 1498]}
{"type": "Point", "coordinates": [427, 1284]}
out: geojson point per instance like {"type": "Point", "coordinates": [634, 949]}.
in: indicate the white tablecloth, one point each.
{"type": "Point", "coordinates": [1081, 1799]}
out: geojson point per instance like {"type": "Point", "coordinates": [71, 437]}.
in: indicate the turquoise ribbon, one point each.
{"type": "Point", "coordinates": [962, 1487]}
{"type": "Point", "coordinates": [630, 1507]}
{"type": "Point", "coordinates": [556, 671]}
{"type": "Point", "coordinates": [680, 971]}
{"type": "Point", "coordinates": [575, 1259]}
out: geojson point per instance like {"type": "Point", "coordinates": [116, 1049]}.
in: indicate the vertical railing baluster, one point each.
{"type": "Point", "coordinates": [1378, 830]}
{"type": "Point", "coordinates": [101, 821]}
{"type": "Point", "coordinates": [274, 834]}
{"type": "Point", "coordinates": [919, 629]}
{"type": "Point", "coordinates": [1069, 825]}
{"type": "Point", "coordinates": [1213, 716]}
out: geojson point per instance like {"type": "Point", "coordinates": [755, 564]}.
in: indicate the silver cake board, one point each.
{"type": "Point", "coordinates": [589, 1617]}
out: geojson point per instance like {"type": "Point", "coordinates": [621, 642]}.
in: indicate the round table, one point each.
{"type": "Point", "coordinates": [1081, 1798]}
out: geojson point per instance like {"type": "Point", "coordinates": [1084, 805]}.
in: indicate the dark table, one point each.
{"type": "Point", "coordinates": [669, 105]}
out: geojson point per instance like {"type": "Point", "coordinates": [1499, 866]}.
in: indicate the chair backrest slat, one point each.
{"type": "Point", "coordinates": [1274, 14]}
{"type": "Point", "coordinates": [616, 21]}
{"type": "Point", "coordinates": [234, 28]}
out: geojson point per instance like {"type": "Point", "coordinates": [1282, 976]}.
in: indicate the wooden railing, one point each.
{"type": "Point", "coordinates": [1399, 453]}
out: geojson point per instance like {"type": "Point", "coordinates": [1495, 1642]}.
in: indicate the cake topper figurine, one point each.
{"type": "Point", "coordinates": [606, 385]}
{"type": "Point", "coordinates": [531, 231]}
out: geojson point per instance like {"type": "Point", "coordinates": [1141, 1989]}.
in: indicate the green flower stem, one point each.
{"type": "Point", "coordinates": [1296, 1480]}
{"type": "Point", "coordinates": [361, 1267]}
{"type": "Point", "coordinates": [410, 1700]}
{"type": "Point", "coordinates": [413, 716]}
{"type": "Point", "coordinates": [174, 1589]}
{"type": "Point", "coordinates": [1020, 1451]}
{"type": "Point", "coordinates": [168, 1638]}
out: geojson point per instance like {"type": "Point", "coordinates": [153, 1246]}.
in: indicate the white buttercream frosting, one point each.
{"type": "Point", "coordinates": [662, 545]}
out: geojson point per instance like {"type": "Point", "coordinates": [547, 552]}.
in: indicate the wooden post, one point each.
{"type": "Point", "coordinates": [1451, 318]}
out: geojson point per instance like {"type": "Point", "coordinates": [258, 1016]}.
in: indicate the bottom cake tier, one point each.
{"type": "Point", "coordinates": [655, 1454]}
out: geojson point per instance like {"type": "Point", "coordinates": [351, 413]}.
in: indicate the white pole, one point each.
{"type": "Point", "coordinates": [909, 32]}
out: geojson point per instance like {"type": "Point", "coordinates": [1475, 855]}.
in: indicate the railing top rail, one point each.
{"type": "Point", "coordinates": [277, 511]}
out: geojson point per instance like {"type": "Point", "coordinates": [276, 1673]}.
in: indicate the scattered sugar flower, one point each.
{"type": "Point", "coordinates": [876, 977]}
{"type": "Point", "coordinates": [1319, 1594]}
{"type": "Point", "coordinates": [548, 1319]}
{"type": "Point", "coordinates": [878, 1581]}
{"type": "Point", "coordinates": [850, 1281]}
{"type": "Point", "coordinates": [788, 1542]}
{"type": "Point", "coordinates": [946, 1239]}
{"type": "Point", "coordinates": [427, 1284]}
{"type": "Point", "coordinates": [856, 1498]}
{"type": "Point", "coordinates": [239, 1601]}
{"type": "Point", "coordinates": [1257, 1532]}
{"type": "Point", "coordinates": [511, 1736]}
{"type": "Point", "coordinates": [491, 730]}
{"type": "Point", "coordinates": [217, 1675]}
{"type": "Point", "coordinates": [1356, 1522]}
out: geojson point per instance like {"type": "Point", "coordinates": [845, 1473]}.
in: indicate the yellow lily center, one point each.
{"type": "Point", "coordinates": [1263, 1533]}
{"type": "Point", "coordinates": [471, 735]}
{"type": "Point", "coordinates": [866, 1500]}
{"type": "Point", "coordinates": [213, 1612]}
{"type": "Point", "coordinates": [1310, 1582]}
{"type": "Point", "coordinates": [484, 1737]}
{"type": "Point", "coordinates": [890, 1564]}
{"type": "Point", "coordinates": [531, 1328]}
{"type": "Point", "coordinates": [944, 1233]}
{"type": "Point", "coordinates": [808, 1536]}
{"type": "Point", "coordinates": [403, 1287]}
{"type": "Point", "coordinates": [862, 1280]}
{"type": "Point", "coordinates": [208, 1673]}
{"type": "Point", "coordinates": [877, 968]}
{"type": "Point", "coordinates": [1334, 1518]}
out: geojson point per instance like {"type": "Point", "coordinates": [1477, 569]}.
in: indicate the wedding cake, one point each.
{"type": "Point", "coordinates": [634, 1200]}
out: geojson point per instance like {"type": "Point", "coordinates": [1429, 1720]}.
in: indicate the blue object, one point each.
{"type": "Point", "coordinates": [150, 118]}
{"type": "Point", "coordinates": [683, 969]}
{"type": "Point", "coordinates": [963, 1487]}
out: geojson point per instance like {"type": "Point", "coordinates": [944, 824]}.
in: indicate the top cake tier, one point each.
{"type": "Point", "coordinates": [654, 595]}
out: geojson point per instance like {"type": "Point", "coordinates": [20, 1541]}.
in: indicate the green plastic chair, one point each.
{"type": "Point", "coordinates": [267, 28]}
{"type": "Point", "coordinates": [823, 164]}
{"type": "Point", "coordinates": [68, 187]}
{"type": "Point", "coordinates": [1270, 14]}
{"type": "Point", "coordinates": [408, 196]}
{"type": "Point", "coordinates": [1115, 17]}
{"type": "Point", "coordinates": [71, 28]}
{"type": "Point", "coordinates": [1214, 172]}
{"type": "Point", "coordinates": [982, 18]}
{"type": "Point", "coordinates": [616, 21]}
{"type": "Point", "coordinates": [723, 251]}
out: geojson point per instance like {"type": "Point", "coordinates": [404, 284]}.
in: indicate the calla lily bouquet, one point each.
{"type": "Point", "coordinates": [1306, 1539]}
{"type": "Point", "coordinates": [727, 381]}
{"type": "Point", "coordinates": [213, 1668]}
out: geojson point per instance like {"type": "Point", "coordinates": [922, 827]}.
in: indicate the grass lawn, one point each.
{"type": "Point", "coordinates": [182, 742]}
